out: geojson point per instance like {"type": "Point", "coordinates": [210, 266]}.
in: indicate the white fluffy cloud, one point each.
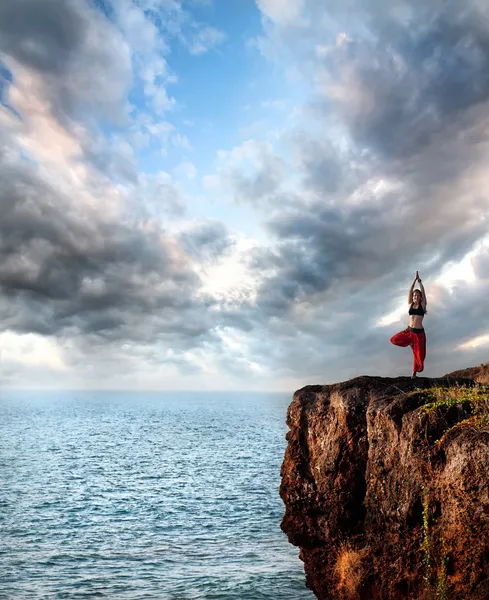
{"type": "Point", "coordinates": [283, 12]}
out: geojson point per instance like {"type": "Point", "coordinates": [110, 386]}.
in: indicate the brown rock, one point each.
{"type": "Point", "coordinates": [380, 508]}
{"type": "Point", "coordinates": [479, 374]}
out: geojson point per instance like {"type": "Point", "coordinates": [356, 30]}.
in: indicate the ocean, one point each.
{"type": "Point", "coordinates": [136, 495]}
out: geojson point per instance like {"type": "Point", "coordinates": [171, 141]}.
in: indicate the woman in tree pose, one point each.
{"type": "Point", "coordinates": [414, 335]}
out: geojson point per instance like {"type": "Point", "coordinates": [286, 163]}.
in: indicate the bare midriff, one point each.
{"type": "Point", "coordinates": [416, 321]}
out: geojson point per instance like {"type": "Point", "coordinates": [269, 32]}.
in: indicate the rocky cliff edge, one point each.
{"type": "Point", "coordinates": [386, 487]}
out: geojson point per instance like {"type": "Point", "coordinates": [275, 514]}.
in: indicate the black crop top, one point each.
{"type": "Point", "coordinates": [417, 311]}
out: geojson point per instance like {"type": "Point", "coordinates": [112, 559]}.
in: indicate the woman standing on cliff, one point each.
{"type": "Point", "coordinates": [414, 335]}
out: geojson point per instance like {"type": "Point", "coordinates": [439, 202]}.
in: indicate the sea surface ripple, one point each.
{"type": "Point", "coordinates": [125, 495]}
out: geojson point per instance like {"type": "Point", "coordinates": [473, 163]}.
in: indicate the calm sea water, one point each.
{"type": "Point", "coordinates": [144, 495]}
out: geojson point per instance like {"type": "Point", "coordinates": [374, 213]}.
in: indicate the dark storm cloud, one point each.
{"type": "Point", "coordinates": [68, 271]}
{"type": "Point", "coordinates": [348, 247]}
{"type": "Point", "coordinates": [83, 61]}
{"type": "Point", "coordinates": [43, 34]}
{"type": "Point", "coordinates": [207, 241]}
{"type": "Point", "coordinates": [255, 188]}
{"type": "Point", "coordinates": [480, 264]}
{"type": "Point", "coordinates": [322, 165]}
{"type": "Point", "coordinates": [340, 336]}
{"type": "Point", "coordinates": [409, 82]}
{"type": "Point", "coordinates": [405, 69]}
{"type": "Point", "coordinates": [395, 108]}
{"type": "Point", "coordinates": [70, 267]}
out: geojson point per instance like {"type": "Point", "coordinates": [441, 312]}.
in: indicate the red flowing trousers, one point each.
{"type": "Point", "coordinates": [417, 341]}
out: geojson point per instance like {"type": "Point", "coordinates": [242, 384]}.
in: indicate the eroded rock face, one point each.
{"type": "Point", "coordinates": [380, 508]}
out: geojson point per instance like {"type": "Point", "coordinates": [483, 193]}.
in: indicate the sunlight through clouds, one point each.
{"type": "Point", "coordinates": [230, 279]}
{"type": "Point", "coordinates": [480, 340]}
{"type": "Point", "coordinates": [30, 350]}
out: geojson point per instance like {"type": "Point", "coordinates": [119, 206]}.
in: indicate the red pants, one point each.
{"type": "Point", "coordinates": [417, 341]}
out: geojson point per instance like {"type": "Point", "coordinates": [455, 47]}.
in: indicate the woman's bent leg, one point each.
{"type": "Point", "coordinates": [419, 351]}
{"type": "Point", "coordinates": [403, 338]}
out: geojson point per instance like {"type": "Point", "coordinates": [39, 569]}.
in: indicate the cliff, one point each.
{"type": "Point", "coordinates": [386, 487]}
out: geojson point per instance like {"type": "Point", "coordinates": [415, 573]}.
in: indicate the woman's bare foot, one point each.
{"type": "Point", "coordinates": [413, 374]}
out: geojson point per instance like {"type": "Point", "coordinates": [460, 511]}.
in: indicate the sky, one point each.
{"type": "Point", "coordinates": [236, 194]}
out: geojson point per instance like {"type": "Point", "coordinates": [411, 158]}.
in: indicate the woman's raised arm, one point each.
{"type": "Point", "coordinates": [423, 299]}
{"type": "Point", "coordinates": [410, 295]}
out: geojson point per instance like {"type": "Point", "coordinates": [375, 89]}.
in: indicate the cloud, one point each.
{"type": "Point", "coordinates": [204, 38]}
{"type": "Point", "coordinates": [140, 32]}
{"type": "Point", "coordinates": [252, 172]}
{"type": "Point", "coordinates": [156, 75]}
{"type": "Point", "coordinates": [353, 254]}
{"type": "Point", "coordinates": [394, 72]}
{"type": "Point", "coordinates": [321, 164]}
{"type": "Point", "coordinates": [389, 159]}
{"type": "Point", "coordinates": [89, 255]}
{"type": "Point", "coordinates": [99, 272]}
{"type": "Point", "coordinates": [206, 241]}
{"type": "Point", "coordinates": [186, 169]}
{"type": "Point", "coordinates": [29, 350]}
{"type": "Point", "coordinates": [155, 197]}
{"type": "Point", "coordinates": [480, 264]}
{"type": "Point", "coordinates": [380, 175]}
{"type": "Point", "coordinates": [379, 172]}
{"type": "Point", "coordinates": [77, 269]}
{"type": "Point", "coordinates": [113, 156]}
{"type": "Point", "coordinates": [394, 94]}
{"type": "Point", "coordinates": [282, 12]}
{"type": "Point", "coordinates": [84, 62]}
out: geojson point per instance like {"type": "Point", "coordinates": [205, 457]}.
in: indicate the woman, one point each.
{"type": "Point", "coordinates": [414, 335]}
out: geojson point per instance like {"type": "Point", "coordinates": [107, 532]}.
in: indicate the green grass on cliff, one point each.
{"type": "Point", "coordinates": [474, 400]}
{"type": "Point", "coordinates": [455, 408]}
